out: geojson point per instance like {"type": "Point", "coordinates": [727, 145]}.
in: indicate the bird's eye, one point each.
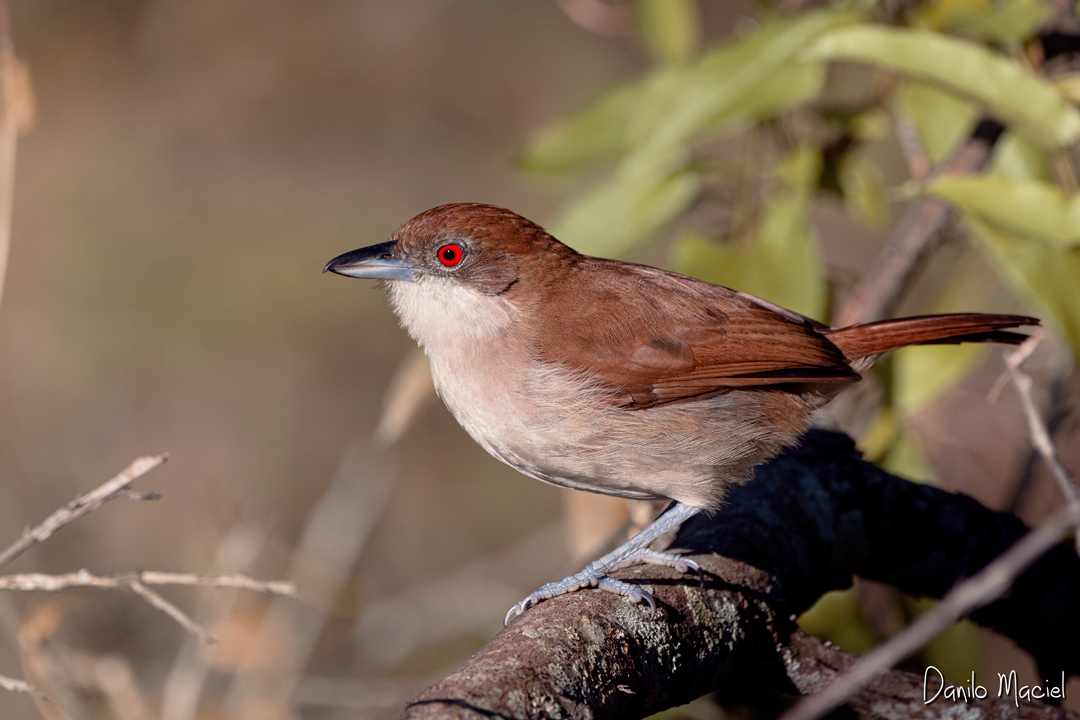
{"type": "Point", "coordinates": [450, 254]}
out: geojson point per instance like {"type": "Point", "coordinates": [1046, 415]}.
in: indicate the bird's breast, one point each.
{"type": "Point", "coordinates": [557, 424]}
{"type": "Point", "coordinates": [548, 422]}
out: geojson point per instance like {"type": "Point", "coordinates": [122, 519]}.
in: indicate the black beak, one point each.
{"type": "Point", "coordinates": [374, 263]}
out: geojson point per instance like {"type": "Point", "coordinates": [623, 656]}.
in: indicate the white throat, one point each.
{"type": "Point", "coordinates": [445, 316]}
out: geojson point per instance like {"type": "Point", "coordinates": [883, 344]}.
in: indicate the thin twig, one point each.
{"type": "Point", "coordinates": [223, 580]}
{"type": "Point", "coordinates": [37, 582]}
{"type": "Point", "coordinates": [1040, 436]}
{"type": "Point", "coordinates": [172, 611]}
{"type": "Point", "coordinates": [982, 588]}
{"type": "Point", "coordinates": [986, 585]}
{"type": "Point", "coordinates": [137, 582]}
{"type": "Point", "coordinates": [897, 695]}
{"type": "Point", "coordinates": [20, 686]}
{"type": "Point", "coordinates": [117, 487]}
{"type": "Point", "coordinates": [1061, 408]}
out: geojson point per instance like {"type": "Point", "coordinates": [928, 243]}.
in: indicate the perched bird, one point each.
{"type": "Point", "coordinates": [619, 378]}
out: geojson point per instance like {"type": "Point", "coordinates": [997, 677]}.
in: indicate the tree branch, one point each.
{"type": "Point", "coordinates": [990, 582]}
{"type": "Point", "coordinates": [812, 665]}
{"type": "Point", "coordinates": [810, 520]}
{"type": "Point", "coordinates": [117, 487]}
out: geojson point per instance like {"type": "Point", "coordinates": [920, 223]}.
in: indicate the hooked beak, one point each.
{"type": "Point", "coordinates": [373, 263]}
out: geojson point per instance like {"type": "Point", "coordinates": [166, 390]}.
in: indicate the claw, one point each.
{"type": "Point", "coordinates": [597, 575]}
{"type": "Point", "coordinates": [513, 612]}
{"type": "Point", "coordinates": [690, 565]}
{"type": "Point", "coordinates": [636, 550]}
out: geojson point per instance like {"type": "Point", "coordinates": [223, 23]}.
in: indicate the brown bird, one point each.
{"type": "Point", "coordinates": [619, 378]}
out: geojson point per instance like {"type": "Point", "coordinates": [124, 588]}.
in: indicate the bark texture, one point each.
{"type": "Point", "coordinates": [809, 521]}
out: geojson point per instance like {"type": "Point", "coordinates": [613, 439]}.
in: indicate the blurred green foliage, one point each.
{"type": "Point", "coordinates": [949, 69]}
{"type": "Point", "coordinates": [1006, 89]}
{"type": "Point", "coordinates": [937, 69]}
{"type": "Point", "coordinates": [781, 260]}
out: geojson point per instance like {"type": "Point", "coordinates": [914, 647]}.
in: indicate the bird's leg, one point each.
{"type": "Point", "coordinates": [633, 551]}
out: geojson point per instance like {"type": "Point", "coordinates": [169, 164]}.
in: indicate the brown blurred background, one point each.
{"type": "Point", "coordinates": [192, 167]}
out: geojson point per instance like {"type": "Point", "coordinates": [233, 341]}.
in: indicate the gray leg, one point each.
{"type": "Point", "coordinates": [633, 551]}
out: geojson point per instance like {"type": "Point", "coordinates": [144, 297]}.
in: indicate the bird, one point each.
{"type": "Point", "coordinates": [619, 378]}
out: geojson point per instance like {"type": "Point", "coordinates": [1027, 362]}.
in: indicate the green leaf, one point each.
{"type": "Point", "coordinates": [663, 89]}
{"type": "Point", "coordinates": [1047, 276]}
{"type": "Point", "coordinates": [596, 133]}
{"type": "Point", "coordinates": [942, 119]}
{"type": "Point", "coordinates": [1015, 158]}
{"type": "Point", "coordinates": [782, 263]}
{"type": "Point", "coordinates": [671, 28]}
{"type": "Point", "coordinates": [658, 119]}
{"type": "Point", "coordinates": [1010, 92]}
{"type": "Point", "coordinates": [791, 85]}
{"type": "Point", "coordinates": [1006, 22]}
{"type": "Point", "coordinates": [871, 125]}
{"type": "Point", "coordinates": [627, 211]}
{"type": "Point", "coordinates": [728, 77]}
{"type": "Point", "coordinates": [1025, 208]}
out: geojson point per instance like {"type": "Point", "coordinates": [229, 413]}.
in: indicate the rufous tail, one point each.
{"type": "Point", "coordinates": [859, 341]}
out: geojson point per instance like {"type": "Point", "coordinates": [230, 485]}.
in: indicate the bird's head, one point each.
{"type": "Point", "coordinates": [464, 268]}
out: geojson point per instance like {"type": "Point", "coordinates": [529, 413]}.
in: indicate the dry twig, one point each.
{"type": "Point", "coordinates": [1040, 436]}
{"type": "Point", "coordinates": [117, 487]}
{"type": "Point", "coordinates": [138, 581]}
{"type": "Point", "coordinates": [172, 611]}
{"type": "Point", "coordinates": [20, 686]}
{"type": "Point", "coordinates": [32, 582]}
{"type": "Point", "coordinates": [808, 522]}
{"type": "Point", "coordinates": [982, 588]}
{"type": "Point", "coordinates": [985, 586]}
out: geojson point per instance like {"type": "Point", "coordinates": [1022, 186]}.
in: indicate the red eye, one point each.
{"type": "Point", "coordinates": [450, 255]}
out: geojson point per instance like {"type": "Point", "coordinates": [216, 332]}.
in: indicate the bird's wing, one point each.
{"type": "Point", "coordinates": [656, 338]}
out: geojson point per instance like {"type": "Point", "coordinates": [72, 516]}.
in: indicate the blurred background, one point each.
{"type": "Point", "coordinates": [193, 165]}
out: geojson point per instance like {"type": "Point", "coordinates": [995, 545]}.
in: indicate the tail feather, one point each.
{"type": "Point", "coordinates": [858, 341]}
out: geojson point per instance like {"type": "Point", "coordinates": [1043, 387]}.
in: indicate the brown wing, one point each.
{"type": "Point", "coordinates": [661, 338]}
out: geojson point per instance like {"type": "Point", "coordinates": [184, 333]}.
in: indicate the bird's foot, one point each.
{"type": "Point", "coordinates": [633, 551]}
{"type": "Point", "coordinates": [596, 575]}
